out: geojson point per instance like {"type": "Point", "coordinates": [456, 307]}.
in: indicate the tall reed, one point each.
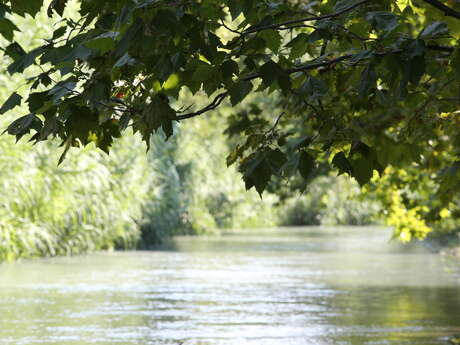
{"type": "Point", "coordinates": [89, 203]}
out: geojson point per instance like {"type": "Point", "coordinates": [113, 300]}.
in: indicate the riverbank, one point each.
{"type": "Point", "coordinates": [454, 252]}
{"type": "Point", "coordinates": [446, 244]}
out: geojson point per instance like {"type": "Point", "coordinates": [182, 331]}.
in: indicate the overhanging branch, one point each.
{"type": "Point", "coordinates": [213, 105]}
{"type": "Point", "coordinates": [303, 20]}
{"type": "Point", "coordinates": [319, 64]}
{"type": "Point", "coordinates": [221, 97]}
{"type": "Point", "coordinates": [448, 11]}
{"type": "Point", "coordinates": [306, 67]}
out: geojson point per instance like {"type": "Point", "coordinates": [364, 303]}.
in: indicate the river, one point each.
{"type": "Point", "coordinates": [290, 286]}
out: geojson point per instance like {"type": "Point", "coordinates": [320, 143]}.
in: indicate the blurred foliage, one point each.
{"type": "Point", "coordinates": [331, 200]}
{"type": "Point", "coordinates": [195, 193]}
{"type": "Point", "coordinates": [414, 203]}
{"type": "Point", "coordinates": [84, 205]}
{"type": "Point", "coordinates": [362, 87]}
{"type": "Point", "coordinates": [93, 201]}
{"type": "Point", "coordinates": [183, 187]}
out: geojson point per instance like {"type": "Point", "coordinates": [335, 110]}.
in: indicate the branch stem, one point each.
{"type": "Point", "coordinates": [303, 20]}
{"type": "Point", "coordinates": [448, 11]}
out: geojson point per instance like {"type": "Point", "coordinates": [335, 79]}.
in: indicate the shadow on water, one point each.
{"type": "Point", "coordinates": [293, 286]}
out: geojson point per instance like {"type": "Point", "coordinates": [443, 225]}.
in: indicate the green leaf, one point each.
{"type": "Point", "coordinates": [22, 7]}
{"type": "Point", "coordinates": [203, 72]}
{"type": "Point", "coordinates": [81, 122]}
{"type": "Point", "coordinates": [314, 88]}
{"type": "Point", "coordinates": [58, 6]}
{"type": "Point", "coordinates": [344, 4]}
{"type": "Point", "coordinates": [229, 69]}
{"type": "Point", "coordinates": [306, 164]}
{"type": "Point", "coordinates": [236, 8]}
{"type": "Point", "coordinates": [239, 91]}
{"type": "Point", "coordinates": [129, 38]}
{"type": "Point", "coordinates": [14, 51]}
{"type": "Point", "coordinates": [272, 38]}
{"type": "Point", "coordinates": [58, 33]}
{"type": "Point", "coordinates": [403, 4]}
{"type": "Point", "coordinates": [363, 169]}
{"type": "Point", "coordinates": [341, 162]}
{"type": "Point", "coordinates": [256, 172]}
{"type": "Point", "coordinates": [455, 62]}
{"type": "Point", "coordinates": [364, 160]}
{"type": "Point", "coordinates": [299, 46]}
{"type": "Point", "coordinates": [4, 10]}
{"type": "Point", "coordinates": [23, 125]}
{"type": "Point", "coordinates": [62, 89]}
{"type": "Point", "coordinates": [368, 81]}
{"type": "Point", "coordinates": [362, 56]}
{"type": "Point", "coordinates": [124, 60]}
{"type": "Point", "coordinates": [299, 143]}
{"type": "Point", "coordinates": [415, 69]}
{"type": "Point", "coordinates": [21, 63]}
{"type": "Point", "coordinates": [13, 101]}
{"type": "Point", "coordinates": [434, 29]}
{"type": "Point", "coordinates": [276, 159]}
{"type": "Point", "coordinates": [383, 98]}
{"type": "Point", "coordinates": [319, 34]}
{"type": "Point", "coordinates": [384, 21]}
{"type": "Point", "coordinates": [38, 101]}
{"type": "Point", "coordinates": [7, 28]}
{"type": "Point", "coordinates": [103, 43]}
{"type": "Point", "coordinates": [109, 130]}
{"type": "Point", "coordinates": [158, 114]}
{"type": "Point", "coordinates": [292, 166]}
{"type": "Point", "coordinates": [271, 72]}
{"type": "Point", "coordinates": [260, 166]}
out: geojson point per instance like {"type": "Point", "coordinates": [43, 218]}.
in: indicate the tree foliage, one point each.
{"type": "Point", "coordinates": [364, 87]}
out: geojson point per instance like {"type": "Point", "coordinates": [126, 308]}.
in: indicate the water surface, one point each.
{"type": "Point", "coordinates": [297, 286]}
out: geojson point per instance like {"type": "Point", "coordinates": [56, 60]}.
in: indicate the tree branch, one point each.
{"type": "Point", "coordinates": [221, 97]}
{"type": "Point", "coordinates": [272, 130]}
{"type": "Point", "coordinates": [305, 67]}
{"type": "Point", "coordinates": [303, 20]}
{"type": "Point", "coordinates": [440, 48]}
{"type": "Point", "coordinates": [213, 105]}
{"type": "Point", "coordinates": [319, 64]}
{"type": "Point", "coordinates": [446, 9]}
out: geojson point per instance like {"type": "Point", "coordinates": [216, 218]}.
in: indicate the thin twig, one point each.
{"type": "Point", "coordinates": [306, 67]}
{"type": "Point", "coordinates": [272, 130]}
{"type": "Point", "coordinates": [440, 48]}
{"type": "Point", "coordinates": [213, 105]}
{"type": "Point", "coordinates": [230, 29]}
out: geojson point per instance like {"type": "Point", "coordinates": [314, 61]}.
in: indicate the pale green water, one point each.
{"type": "Point", "coordinates": [304, 286]}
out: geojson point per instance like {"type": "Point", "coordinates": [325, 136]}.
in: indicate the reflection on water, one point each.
{"type": "Point", "coordinates": [302, 286]}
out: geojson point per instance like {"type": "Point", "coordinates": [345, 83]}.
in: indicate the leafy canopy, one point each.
{"type": "Point", "coordinates": [360, 85]}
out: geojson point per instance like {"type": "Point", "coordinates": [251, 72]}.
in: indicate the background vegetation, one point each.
{"type": "Point", "coordinates": [131, 199]}
{"type": "Point", "coordinates": [93, 201]}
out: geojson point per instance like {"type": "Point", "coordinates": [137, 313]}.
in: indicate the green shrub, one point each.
{"type": "Point", "coordinates": [330, 200]}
